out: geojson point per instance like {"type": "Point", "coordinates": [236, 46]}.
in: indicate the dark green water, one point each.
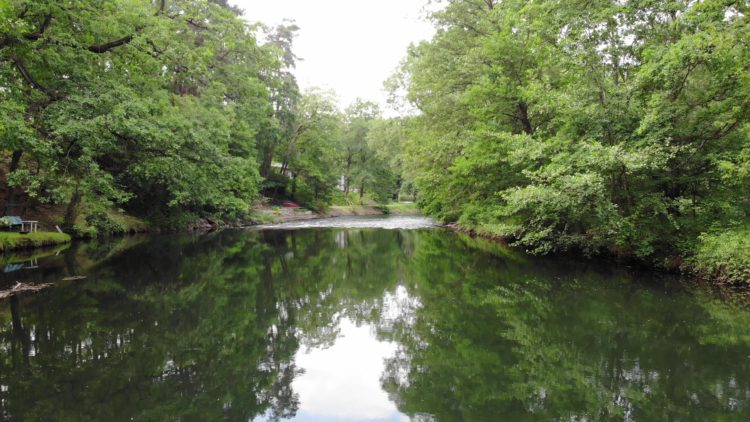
{"type": "Point", "coordinates": [360, 324]}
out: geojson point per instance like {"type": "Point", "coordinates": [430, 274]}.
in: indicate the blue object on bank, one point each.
{"type": "Point", "coordinates": [14, 220]}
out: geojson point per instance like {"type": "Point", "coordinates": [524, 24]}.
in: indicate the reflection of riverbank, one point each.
{"type": "Point", "coordinates": [70, 260]}
{"type": "Point", "coordinates": [27, 259]}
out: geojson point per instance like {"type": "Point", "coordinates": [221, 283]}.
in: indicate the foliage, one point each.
{"type": "Point", "coordinates": [365, 157]}
{"type": "Point", "coordinates": [104, 224]}
{"type": "Point", "coordinates": [724, 256]}
{"type": "Point", "coordinates": [332, 157]}
{"type": "Point", "coordinates": [173, 111]}
{"type": "Point", "coordinates": [604, 127]}
{"type": "Point", "coordinates": [311, 154]}
{"type": "Point", "coordinates": [155, 107]}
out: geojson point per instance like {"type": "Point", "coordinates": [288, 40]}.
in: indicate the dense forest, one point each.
{"type": "Point", "coordinates": [599, 127]}
{"type": "Point", "coordinates": [170, 110]}
{"type": "Point", "coordinates": [616, 127]}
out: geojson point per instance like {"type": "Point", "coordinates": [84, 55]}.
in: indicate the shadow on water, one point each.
{"type": "Point", "coordinates": [223, 326]}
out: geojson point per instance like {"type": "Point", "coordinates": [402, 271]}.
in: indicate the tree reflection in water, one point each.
{"type": "Point", "coordinates": [211, 327]}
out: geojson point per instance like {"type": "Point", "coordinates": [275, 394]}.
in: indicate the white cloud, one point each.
{"type": "Point", "coordinates": [351, 46]}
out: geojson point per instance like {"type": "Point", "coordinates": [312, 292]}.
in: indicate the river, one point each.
{"type": "Point", "coordinates": [360, 319]}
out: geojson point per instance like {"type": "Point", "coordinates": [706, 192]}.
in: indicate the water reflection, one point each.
{"type": "Point", "coordinates": [16, 261]}
{"type": "Point", "coordinates": [362, 324]}
{"type": "Point", "coordinates": [342, 381]}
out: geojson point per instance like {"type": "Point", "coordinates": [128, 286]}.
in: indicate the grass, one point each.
{"type": "Point", "coordinates": [12, 241]}
{"type": "Point", "coordinates": [353, 210]}
{"type": "Point", "coordinates": [260, 217]}
{"type": "Point", "coordinates": [400, 208]}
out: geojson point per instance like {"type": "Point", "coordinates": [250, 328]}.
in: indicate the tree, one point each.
{"type": "Point", "coordinates": [363, 168]}
{"type": "Point", "coordinates": [386, 139]}
{"type": "Point", "coordinates": [311, 154]}
{"type": "Point", "coordinates": [285, 94]}
{"type": "Point", "coordinates": [601, 127]}
{"type": "Point", "coordinates": [156, 107]}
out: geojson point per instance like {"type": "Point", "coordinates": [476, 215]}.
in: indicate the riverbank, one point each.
{"type": "Point", "coordinates": [721, 262]}
{"type": "Point", "coordinates": [10, 241]}
{"type": "Point", "coordinates": [271, 214]}
{"type": "Point", "coordinates": [117, 224]}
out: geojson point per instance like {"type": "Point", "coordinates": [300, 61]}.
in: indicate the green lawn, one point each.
{"type": "Point", "coordinates": [10, 240]}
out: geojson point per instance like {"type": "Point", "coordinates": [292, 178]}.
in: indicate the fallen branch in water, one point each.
{"type": "Point", "coordinates": [22, 288]}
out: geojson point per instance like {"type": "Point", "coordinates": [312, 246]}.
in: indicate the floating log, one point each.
{"type": "Point", "coordinates": [22, 288]}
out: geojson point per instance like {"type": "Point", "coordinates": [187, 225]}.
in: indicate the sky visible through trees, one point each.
{"type": "Point", "coordinates": [350, 46]}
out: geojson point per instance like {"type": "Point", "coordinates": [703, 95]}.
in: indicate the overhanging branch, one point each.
{"type": "Point", "coordinates": [103, 48]}
{"type": "Point", "coordinates": [33, 36]}
{"type": "Point", "coordinates": [27, 76]}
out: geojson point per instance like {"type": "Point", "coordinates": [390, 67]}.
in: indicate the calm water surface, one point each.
{"type": "Point", "coordinates": [357, 323]}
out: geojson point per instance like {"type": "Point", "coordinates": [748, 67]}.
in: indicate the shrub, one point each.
{"type": "Point", "coordinates": [725, 256]}
{"type": "Point", "coordinates": [104, 224]}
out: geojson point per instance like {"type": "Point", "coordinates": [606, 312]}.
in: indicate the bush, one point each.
{"type": "Point", "coordinates": [725, 256]}
{"type": "Point", "coordinates": [103, 224]}
{"type": "Point", "coordinates": [82, 231]}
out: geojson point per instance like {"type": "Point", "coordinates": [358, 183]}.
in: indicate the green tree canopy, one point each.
{"type": "Point", "coordinates": [610, 126]}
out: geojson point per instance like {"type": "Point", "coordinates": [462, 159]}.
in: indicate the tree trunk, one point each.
{"type": "Point", "coordinates": [265, 168]}
{"type": "Point", "coordinates": [71, 213]}
{"type": "Point", "coordinates": [10, 199]}
{"type": "Point", "coordinates": [19, 331]}
{"type": "Point", "coordinates": [523, 116]}
{"type": "Point", "coordinates": [348, 172]}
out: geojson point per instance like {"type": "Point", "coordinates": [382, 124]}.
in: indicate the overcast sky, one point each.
{"type": "Point", "coordinates": [351, 46]}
